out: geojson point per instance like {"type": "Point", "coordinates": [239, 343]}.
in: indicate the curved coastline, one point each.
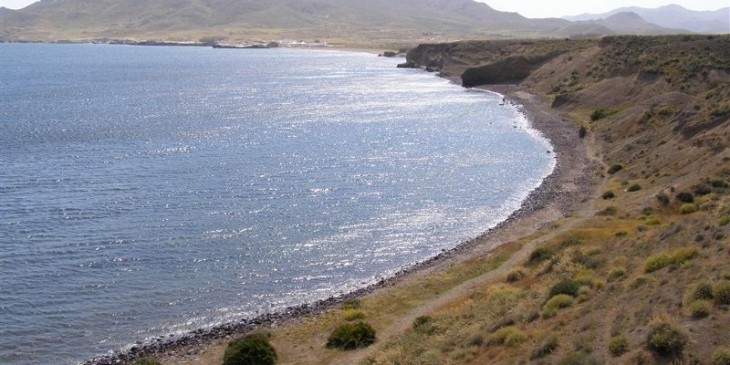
{"type": "Point", "coordinates": [543, 205]}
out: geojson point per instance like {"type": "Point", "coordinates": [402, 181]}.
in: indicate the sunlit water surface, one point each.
{"type": "Point", "coordinates": [155, 190]}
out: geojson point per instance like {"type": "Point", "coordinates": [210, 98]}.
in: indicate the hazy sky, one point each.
{"type": "Point", "coordinates": [542, 8]}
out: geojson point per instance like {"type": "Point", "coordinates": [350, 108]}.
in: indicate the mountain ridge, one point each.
{"type": "Point", "coordinates": [378, 21]}
{"type": "Point", "coordinates": [672, 16]}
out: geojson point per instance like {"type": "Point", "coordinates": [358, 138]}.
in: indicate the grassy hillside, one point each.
{"type": "Point", "coordinates": [637, 272]}
{"type": "Point", "coordinates": [656, 250]}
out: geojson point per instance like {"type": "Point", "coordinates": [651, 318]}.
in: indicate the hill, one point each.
{"type": "Point", "coordinates": [231, 19]}
{"type": "Point", "coordinates": [373, 22]}
{"type": "Point", "coordinates": [673, 16]}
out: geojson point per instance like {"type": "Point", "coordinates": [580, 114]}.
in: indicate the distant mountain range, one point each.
{"type": "Point", "coordinates": [381, 21]}
{"type": "Point", "coordinates": [672, 16]}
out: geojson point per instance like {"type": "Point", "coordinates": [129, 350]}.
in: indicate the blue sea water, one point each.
{"type": "Point", "coordinates": [154, 190]}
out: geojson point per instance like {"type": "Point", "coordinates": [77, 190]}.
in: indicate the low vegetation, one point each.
{"type": "Point", "coordinates": [352, 336]}
{"type": "Point", "coordinates": [250, 350]}
{"type": "Point", "coordinates": [666, 339]}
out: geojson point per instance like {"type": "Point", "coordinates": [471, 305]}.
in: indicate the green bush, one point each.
{"type": "Point", "coordinates": [634, 187]}
{"type": "Point", "coordinates": [146, 361]}
{"type": "Point", "coordinates": [351, 336]}
{"type": "Point", "coordinates": [539, 255]}
{"type": "Point", "coordinates": [703, 189]}
{"type": "Point", "coordinates": [618, 345]}
{"type": "Point", "coordinates": [721, 292]}
{"type": "Point", "coordinates": [656, 262]}
{"type": "Point", "coordinates": [687, 208]}
{"type": "Point", "coordinates": [559, 301]}
{"type": "Point", "coordinates": [353, 314]}
{"type": "Point", "coordinates": [568, 287]}
{"type": "Point", "coordinates": [616, 273]}
{"type": "Point", "coordinates": [662, 198]}
{"type": "Point", "coordinates": [702, 291]}
{"type": "Point", "coordinates": [515, 276]}
{"type": "Point", "coordinates": [663, 259]}
{"type": "Point", "coordinates": [615, 168]}
{"type": "Point", "coordinates": [699, 309]}
{"type": "Point", "coordinates": [250, 350]}
{"type": "Point", "coordinates": [608, 195]}
{"type": "Point", "coordinates": [686, 197]}
{"type": "Point", "coordinates": [721, 356]}
{"type": "Point", "coordinates": [601, 113]}
{"type": "Point", "coordinates": [509, 336]}
{"type": "Point", "coordinates": [665, 339]}
{"type": "Point", "coordinates": [724, 220]}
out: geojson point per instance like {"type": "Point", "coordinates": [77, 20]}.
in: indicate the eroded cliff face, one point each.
{"type": "Point", "coordinates": [587, 73]}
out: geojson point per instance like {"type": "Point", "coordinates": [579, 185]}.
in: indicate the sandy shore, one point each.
{"type": "Point", "coordinates": [570, 183]}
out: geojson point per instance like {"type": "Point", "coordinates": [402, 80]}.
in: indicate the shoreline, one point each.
{"type": "Point", "coordinates": [567, 185]}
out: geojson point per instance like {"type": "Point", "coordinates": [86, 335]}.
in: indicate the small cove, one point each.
{"type": "Point", "coordinates": [149, 191]}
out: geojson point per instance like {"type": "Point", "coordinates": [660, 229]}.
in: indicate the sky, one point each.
{"type": "Point", "coordinates": [541, 8]}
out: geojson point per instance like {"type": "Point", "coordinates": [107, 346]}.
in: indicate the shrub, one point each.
{"type": "Point", "coordinates": [608, 195]}
{"type": "Point", "coordinates": [351, 336]}
{"type": "Point", "coordinates": [514, 276]}
{"type": "Point", "coordinates": [634, 187]}
{"type": "Point", "coordinates": [509, 336]}
{"type": "Point", "coordinates": [699, 309]}
{"type": "Point", "coordinates": [676, 257]}
{"type": "Point", "coordinates": [720, 184]}
{"type": "Point", "coordinates": [616, 273]}
{"type": "Point", "coordinates": [662, 198]}
{"type": "Point", "coordinates": [656, 262]}
{"type": "Point", "coordinates": [686, 197]}
{"type": "Point", "coordinates": [424, 325]}
{"type": "Point", "coordinates": [568, 287]}
{"type": "Point", "coordinates": [703, 291]}
{"type": "Point", "coordinates": [665, 339]}
{"type": "Point", "coordinates": [560, 301]}
{"type": "Point", "coordinates": [539, 255]}
{"type": "Point", "coordinates": [547, 346]}
{"type": "Point", "coordinates": [556, 303]}
{"type": "Point", "coordinates": [688, 208]}
{"type": "Point", "coordinates": [653, 221]}
{"type": "Point", "coordinates": [618, 345]}
{"type": "Point", "coordinates": [601, 113]}
{"type": "Point", "coordinates": [721, 356]}
{"type": "Point", "coordinates": [582, 132]}
{"type": "Point", "coordinates": [615, 168]}
{"type": "Point", "coordinates": [724, 220]}
{"type": "Point", "coordinates": [721, 292]}
{"type": "Point", "coordinates": [250, 350]}
{"type": "Point", "coordinates": [353, 314]}
{"type": "Point", "coordinates": [146, 361]}
{"type": "Point", "coordinates": [703, 189]}
{"type": "Point", "coordinates": [683, 254]}
{"type": "Point", "coordinates": [608, 211]}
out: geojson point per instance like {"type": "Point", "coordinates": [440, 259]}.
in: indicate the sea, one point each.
{"type": "Point", "coordinates": [152, 191]}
